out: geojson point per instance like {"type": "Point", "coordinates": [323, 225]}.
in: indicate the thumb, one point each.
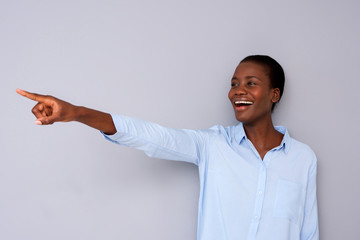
{"type": "Point", "coordinates": [46, 120]}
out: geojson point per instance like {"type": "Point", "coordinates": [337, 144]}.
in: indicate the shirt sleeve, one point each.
{"type": "Point", "coordinates": [310, 227]}
{"type": "Point", "coordinates": [157, 141]}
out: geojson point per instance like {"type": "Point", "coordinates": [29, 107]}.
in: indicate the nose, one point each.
{"type": "Point", "coordinates": [240, 90]}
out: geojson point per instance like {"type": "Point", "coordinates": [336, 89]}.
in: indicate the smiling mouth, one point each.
{"type": "Point", "coordinates": [243, 103]}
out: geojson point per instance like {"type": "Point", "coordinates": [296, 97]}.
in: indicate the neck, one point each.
{"type": "Point", "coordinates": [263, 135]}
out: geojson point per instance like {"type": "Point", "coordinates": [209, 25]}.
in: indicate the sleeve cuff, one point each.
{"type": "Point", "coordinates": [117, 123]}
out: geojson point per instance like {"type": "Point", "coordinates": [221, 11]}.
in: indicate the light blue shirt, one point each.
{"type": "Point", "coordinates": [242, 197]}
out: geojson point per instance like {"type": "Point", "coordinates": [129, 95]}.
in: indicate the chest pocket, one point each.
{"type": "Point", "coordinates": [288, 200]}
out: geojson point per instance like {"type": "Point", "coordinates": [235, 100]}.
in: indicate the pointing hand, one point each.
{"type": "Point", "coordinates": [50, 109]}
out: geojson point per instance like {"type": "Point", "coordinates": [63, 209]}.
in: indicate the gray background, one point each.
{"type": "Point", "coordinates": [170, 62]}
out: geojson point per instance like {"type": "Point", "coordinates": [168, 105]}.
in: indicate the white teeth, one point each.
{"type": "Point", "coordinates": [243, 102]}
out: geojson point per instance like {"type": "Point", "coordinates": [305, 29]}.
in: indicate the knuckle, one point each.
{"type": "Point", "coordinates": [34, 110]}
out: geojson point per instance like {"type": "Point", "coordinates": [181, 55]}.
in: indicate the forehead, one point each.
{"type": "Point", "coordinates": [246, 69]}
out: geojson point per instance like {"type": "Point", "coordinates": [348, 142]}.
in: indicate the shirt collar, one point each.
{"type": "Point", "coordinates": [285, 143]}
{"type": "Point", "coordinates": [239, 133]}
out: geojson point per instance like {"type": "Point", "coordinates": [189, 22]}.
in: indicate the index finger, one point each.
{"type": "Point", "coordinates": [32, 96]}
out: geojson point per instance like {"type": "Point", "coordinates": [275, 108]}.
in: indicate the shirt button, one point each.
{"type": "Point", "coordinates": [256, 217]}
{"type": "Point", "coordinates": [260, 192]}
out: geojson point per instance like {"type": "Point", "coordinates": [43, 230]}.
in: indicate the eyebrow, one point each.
{"type": "Point", "coordinates": [247, 77]}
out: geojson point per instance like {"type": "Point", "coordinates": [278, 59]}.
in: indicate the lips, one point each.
{"type": "Point", "coordinates": [242, 103]}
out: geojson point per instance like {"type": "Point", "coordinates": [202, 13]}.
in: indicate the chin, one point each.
{"type": "Point", "coordinates": [242, 119]}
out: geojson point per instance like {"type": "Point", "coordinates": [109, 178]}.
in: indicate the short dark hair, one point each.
{"type": "Point", "coordinates": [276, 72]}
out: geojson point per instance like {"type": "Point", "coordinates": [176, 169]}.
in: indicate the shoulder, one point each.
{"type": "Point", "coordinates": [215, 131]}
{"type": "Point", "coordinates": [302, 152]}
{"type": "Point", "coordinates": [220, 132]}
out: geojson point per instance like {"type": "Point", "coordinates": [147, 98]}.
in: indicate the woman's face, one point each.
{"type": "Point", "coordinates": [251, 93]}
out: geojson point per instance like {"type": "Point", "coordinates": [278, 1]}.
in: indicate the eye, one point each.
{"type": "Point", "coordinates": [250, 83]}
{"type": "Point", "coordinates": [234, 84]}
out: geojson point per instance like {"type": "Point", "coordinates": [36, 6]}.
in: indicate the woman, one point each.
{"type": "Point", "coordinates": [256, 182]}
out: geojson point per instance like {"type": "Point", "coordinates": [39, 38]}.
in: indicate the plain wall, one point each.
{"type": "Point", "coordinates": [169, 62]}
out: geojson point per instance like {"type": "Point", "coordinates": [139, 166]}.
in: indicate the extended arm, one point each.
{"type": "Point", "coordinates": [153, 139]}
{"type": "Point", "coordinates": [49, 110]}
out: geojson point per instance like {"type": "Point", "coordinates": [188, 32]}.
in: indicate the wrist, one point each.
{"type": "Point", "coordinates": [78, 113]}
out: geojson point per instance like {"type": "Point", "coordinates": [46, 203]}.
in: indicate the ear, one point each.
{"type": "Point", "coordinates": [276, 95]}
